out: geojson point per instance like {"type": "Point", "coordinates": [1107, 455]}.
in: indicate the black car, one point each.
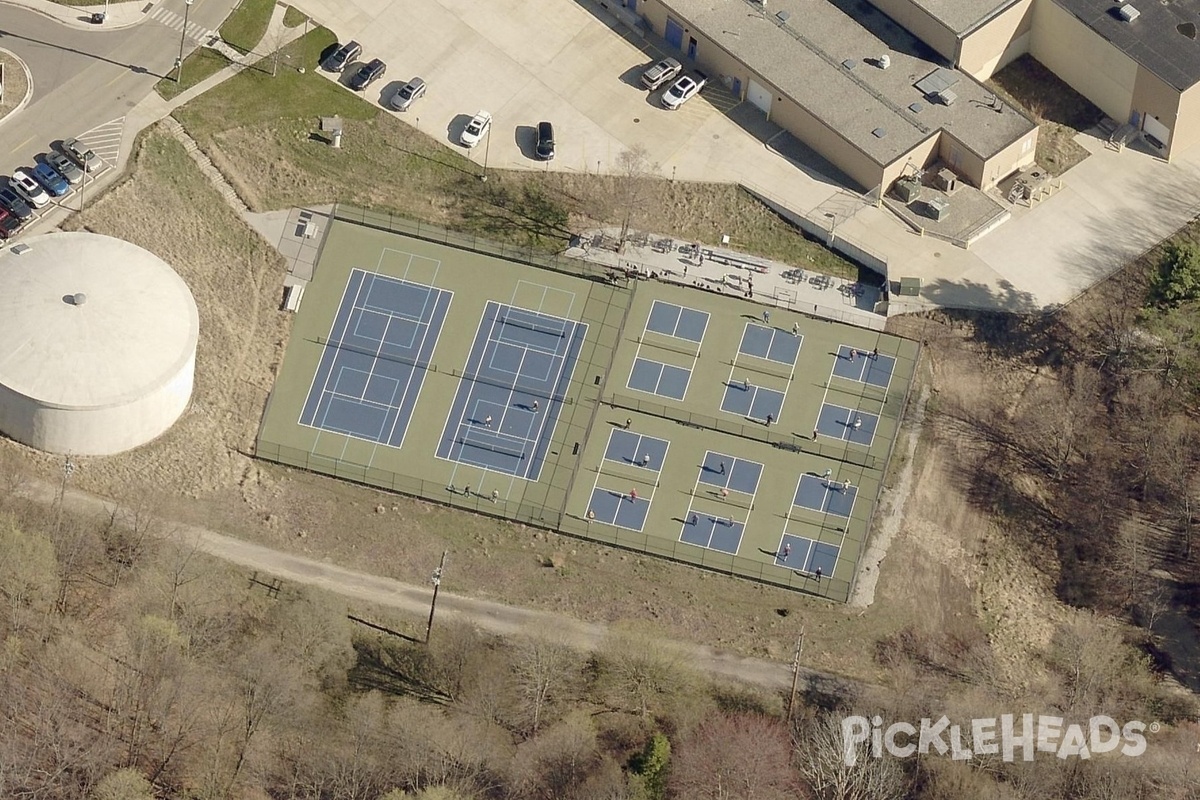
{"type": "Point", "coordinates": [367, 74]}
{"type": "Point", "coordinates": [9, 224]}
{"type": "Point", "coordinates": [545, 141]}
{"type": "Point", "coordinates": [343, 56]}
{"type": "Point", "coordinates": [11, 201]}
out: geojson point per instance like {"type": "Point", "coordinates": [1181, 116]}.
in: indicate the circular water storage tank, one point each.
{"type": "Point", "coordinates": [97, 344]}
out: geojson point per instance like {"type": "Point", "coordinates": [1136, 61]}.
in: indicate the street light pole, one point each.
{"type": "Point", "coordinates": [487, 149]}
{"type": "Point", "coordinates": [187, 8]}
{"type": "Point", "coordinates": [437, 583]}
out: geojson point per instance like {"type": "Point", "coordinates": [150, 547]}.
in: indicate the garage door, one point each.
{"type": "Point", "coordinates": [1156, 129]}
{"type": "Point", "coordinates": [760, 96]}
{"type": "Point", "coordinates": [674, 34]}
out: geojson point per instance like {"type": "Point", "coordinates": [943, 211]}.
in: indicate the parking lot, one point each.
{"type": "Point", "coordinates": [557, 61]}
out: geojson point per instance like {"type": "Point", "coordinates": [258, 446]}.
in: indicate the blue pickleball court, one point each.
{"type": "Point", "coordinates": [771, 344]}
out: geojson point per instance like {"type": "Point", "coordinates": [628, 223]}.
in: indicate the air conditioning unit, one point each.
{"type": "Point", "coordinates": [946, 97]}
{"type": "Point", "coordinates": [1128, 13]}
{"type": "Point", "coordinates": [885, 61]}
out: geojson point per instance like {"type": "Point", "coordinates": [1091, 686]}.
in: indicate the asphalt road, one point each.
{"type": "Point", "coordinates": [85, 77]}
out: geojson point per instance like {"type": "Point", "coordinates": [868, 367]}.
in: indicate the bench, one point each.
{"type": "Point", "coordinates": [737, 260]}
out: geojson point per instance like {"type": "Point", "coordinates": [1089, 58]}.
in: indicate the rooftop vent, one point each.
{"type": "Point", "coordinates": [879, 133]}
{"type": "Point", "coordinates": [1188, 29]}
{"type": "Point", "coordinates": [915, 108]}
{"type": "Point", "coordinates": [1128, 13]}
{"type": "Point", "coordinates": [783, 16]}
{"type": "Point", "coordinates": [946, 97]}
{"type": "Point", "coordinates": [849, 63]}
{"type": "Point", "coordinates": [884, 61]}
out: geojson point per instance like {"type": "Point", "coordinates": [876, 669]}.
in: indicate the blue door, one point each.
{"type": "Point", "coordinates": [691, 48]}
{"type": "Point", "coordinates": [737, 88]}
{"type": "Point", "coordinates": [674, 35]}
{"type": "Point", "coordinates": [632, 6]}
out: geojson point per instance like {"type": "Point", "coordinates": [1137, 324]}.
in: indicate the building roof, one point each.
{"type": "Point", "coordinates": [824, 55]}
{"type": "Point", "coordinates": [1163, 38]}
{"type": "Point", "coordinates": [89, 321]}
{"type": "Point", "coordinates": [961, 16]}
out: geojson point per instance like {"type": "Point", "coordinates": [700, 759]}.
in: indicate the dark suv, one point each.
{"type": "Point", "coordinates": [11, 201]}
{"type": "Point", "coordinates": [367, 74]}
{"type": "Point", "coordinates": [545, 141]}
{"type": "Point", "coordinates": [8, 224]}
{"type": "Point", "coordinates": [344, 55]}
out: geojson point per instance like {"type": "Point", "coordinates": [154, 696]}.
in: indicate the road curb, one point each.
{"type": "Point", "coordinates": [64, 15]}
{"type": "Point", "coordinates": [28, 85]}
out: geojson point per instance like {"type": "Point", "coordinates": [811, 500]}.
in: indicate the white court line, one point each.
{"type": "Point", "coordinates": [849, 426]}
{"type": "Point", "coordinates": [412, 375]}
{"type": "Point", "coordinates": [450, 412]}
{"type": "Point", "coordinates": [328, 344]}
{"type": "Point", "coordinates": [562, 367]}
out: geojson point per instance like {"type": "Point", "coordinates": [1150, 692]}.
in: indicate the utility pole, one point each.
{"type": "Point", "coordinates": [795, 673]}
{"type": "Point", "coordinates": [187, 9]}
{"type": "Point", "coordinates": [487, 149]}
{"type": "Point", "coordinates": [437, 583]}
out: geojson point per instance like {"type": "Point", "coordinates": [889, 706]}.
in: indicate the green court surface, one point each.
{"type": "Point", "coordinates": [659, 442]}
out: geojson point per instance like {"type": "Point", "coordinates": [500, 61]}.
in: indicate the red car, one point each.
{"type": "Point", "coordinates": [8, 223]}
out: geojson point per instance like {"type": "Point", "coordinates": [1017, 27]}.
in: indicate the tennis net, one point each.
{"type": "Point", "coordinates": [517, 321]}
{"type": "Point", "coordinates": [493, 446]}
{"type": "Point", "coordinates": [366, 351]}
{"type": "Point", "coordinates": [539, 394]}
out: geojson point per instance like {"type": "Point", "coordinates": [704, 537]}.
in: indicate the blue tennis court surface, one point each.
{"type": "Point", "coordinates": [618, 508]}
{"type": "Point", "coordinates": [755, 402]}
{"type": "Point", "coordinates": [805, 555]}
{"type": "Point", "coordinates": [839, 422]}
{"type": "Point", "coordinates": [626, 447]}
{"type": "Point", "coordinates": [770, 343]}
{"type": "Point", "coordinates": [825, 496]}
{"type": "Point", "coordinates": [863, 367]}
{"type": "Point", "coordinates": [658, 378]}
{"type": "Point", "coordinates": [715, 533]}
{"type": "Point", "coordinates": [729, 472]}
{"type": "Point", "coordinates": [376, 358]}
{"type": "Point", "coordinates": [677, 321]}
{"type": "Point", "coordinates": [512, 390]}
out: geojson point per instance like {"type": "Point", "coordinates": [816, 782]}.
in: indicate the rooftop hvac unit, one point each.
{"type": "Point", "coordinates": [1128, 13]}
{"type": "Point", "coordinates": [947, 97]}
{"type": "Point", "coordinates": [885, 61]}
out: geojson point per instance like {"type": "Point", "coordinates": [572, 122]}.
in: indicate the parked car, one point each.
{"type": "Point", "coordinates": [476, 129]}
{"type": "Point", "coordinates": [660, 73]}
{"type": "Point", "coordinates": [82, 155]}
{"type": "Point", "coordinates": [65, 167]}
{"type": "Point", "coordinates": [545, 141]}
{"type": "Point", "coordinates": [367, 74]}
{"type": "Point", "coordinates": [8, 224]}
{"type": "Point", "coordinates": [409, 93]}
{"type": "Point", "coordinates": [683, 90]}
{"type": "Point", "coordinates": [14, 203]}
{"type": "Point", "coordinates": [343, 56]}
{"type": "Point", "coordinates": [56, 184]}
{"type": "Point", "coordinates": [28, 188]}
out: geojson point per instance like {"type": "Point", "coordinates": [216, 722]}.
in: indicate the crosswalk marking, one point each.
{"type": "Point", "coordinates": [105, 140]}
{"type": "Point", "coordinates": [197, 33]}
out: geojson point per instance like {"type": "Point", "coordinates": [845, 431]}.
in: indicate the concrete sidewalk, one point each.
{"type": "Point", "coordinates": [120, 13]}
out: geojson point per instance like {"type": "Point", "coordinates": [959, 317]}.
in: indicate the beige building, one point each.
{"type": "Point", "coordinates": [1138, 60]}
{"type": "Point", "coordinates": [859, 89]}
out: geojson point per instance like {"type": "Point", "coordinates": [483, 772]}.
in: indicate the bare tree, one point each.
{"type": "Point", "coordinates": [124, 784]}
{"type": "Point", "coordinates": [822, 763]}
{"type": "Point", "coordinates": [641, 670]}
{"type": "Point", "coordinates": [735, 757]}
{"type": "Point", "coordinates": [554, 763]}
{"type": "Point", "coordinates": [543, 668]}
{"type": "Point", "coordinates": [28, 575]}
{"type": "Point", "coordinates": [631, 189]}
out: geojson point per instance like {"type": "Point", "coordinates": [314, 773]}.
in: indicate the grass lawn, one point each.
{"type": "Point", "coordinates": [1056, 107]}
{"type": "Point", "coordinates": [197, 67]}
{"type": "Point", "coordinates": [246, 25]}
{"type": "Point", "coordinates": [293, 17]}
{"type": "Point", "coordinates": [262, 133]}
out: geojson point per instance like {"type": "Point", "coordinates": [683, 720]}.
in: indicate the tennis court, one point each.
{"type": "Point", "coordinates": [771, 344]}
{"type": "Point", "coordinates": [512, 391]}
{"type": "Point", "coordinates": [824, 496]}
{"type": "Point", "coordinates": [678, 321]}
{"type": "Point", "coordinates": [375, 358]}
{"type": "Point", "coordinates": [874, 369]}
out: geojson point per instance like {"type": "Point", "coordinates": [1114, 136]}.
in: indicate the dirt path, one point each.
{"type": "Point", "coordinates": [493, 617]}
